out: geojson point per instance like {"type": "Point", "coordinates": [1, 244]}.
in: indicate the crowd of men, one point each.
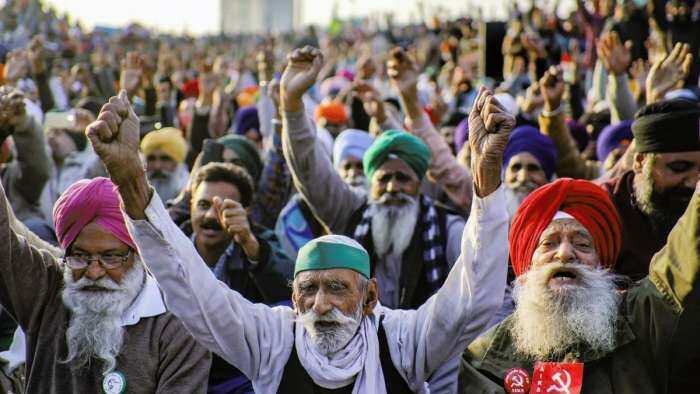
{"type": "Point", "coordinates": [369, 208]}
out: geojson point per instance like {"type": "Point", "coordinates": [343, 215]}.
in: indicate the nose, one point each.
{"type": "Point", "coordinates": [355, 172]}
{"type": "Point", "coordinates": [691, 180]}
{"type": "Point", "coordinates": [565, 252]}
{"type": "Point", "coordinates": [392, 186]}
{"type": "Point", "coordinates": [522, 175]}
{"type": "Point", "coordinates": [95, 271]}
{"type": "Point", "coordinates": [321, 305]}
{"type": "Point", "coordinates": [211, 213]}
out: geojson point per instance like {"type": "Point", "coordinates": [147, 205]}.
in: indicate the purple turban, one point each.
{"type": "Point", "coordinates": [529, 139]}
{"type": "Point", "coordinates": [578, 131]}
{"type": "Point", "coordinates": [86, 201]}
{"type": "Point", "coordinates": [611, 137]}
{"type": "Point", "coordinates": [461, 135]}
{"type": "Point", "coordinates": [246, 119]}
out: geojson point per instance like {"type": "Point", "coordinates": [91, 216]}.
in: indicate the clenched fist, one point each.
{"type": "Point", "coordinates": [490, 126]}
{"type": "Point", "coordinates": [234, 220]}
{"type": "Point", "coordinates": [303, 66]}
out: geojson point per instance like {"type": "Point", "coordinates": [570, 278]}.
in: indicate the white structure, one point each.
{"type": "Point", "coordinates": [259, 16]}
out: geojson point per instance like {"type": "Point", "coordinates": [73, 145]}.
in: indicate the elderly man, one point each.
{"type": "Point", "coordinates": [96, 321]}
{"type": "Point", "coordinates": [348, 150]}
{"type": "Point", "coordinates": [654, 194]}
{"type": "Point", "coordinates": [336, 339]}
{"type": "Point", "coordinates": [571, 325]}
{"type": "Point", "coordinates": [529, 161]}
{"type": "Point", "coordinates": [165, 152]}
{"type": "Point", "coordinates": [412, 242]}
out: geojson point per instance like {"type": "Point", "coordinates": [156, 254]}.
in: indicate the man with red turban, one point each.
{"type": "Point", "coordinates": [572, 329]}
{"type": "Point", "coordinates": [95, 321]}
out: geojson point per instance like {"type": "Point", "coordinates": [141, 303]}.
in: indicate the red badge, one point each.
{"type": "Point", "coordinates": [517, 381]}
{"type": "Point", "coordinates": [557, 378]}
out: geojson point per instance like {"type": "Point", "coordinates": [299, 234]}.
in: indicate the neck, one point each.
{"type": "Point", "coordinates": [210, 254]}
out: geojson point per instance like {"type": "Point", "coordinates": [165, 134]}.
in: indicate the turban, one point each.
{"type": "Point", "coordinates": [333, 85]}
{"type": "Point", "coordinates": [191, 88]}
{"type": "Point", "coordinates": [667, 126]}
{"type": "Point", "coordinates": [407, 147]}
{"type": "Point", "coordinates": [246, 119]}
{"type": "Point", "coordinates": [351, 142]}
{"type": "Point", "coordinates": [461, 134]}
{"type": "Point", "coordinates": [578, 131]}
{"type": "Point", "coordinates": [87, 201]}
{"type": "Point", "coordinates": [613, 136]}
{"type": "Point", "coordinates": [585, 201]}
{"type": "Point", "coordinates": [333, 111]}
{"type": "Point", "coordinates": [169, 140]}
{"type": "Point", "coordinates": [332, 252]}
{"type": "Point", "coordinates": [529, 139]}
{"type": "Point", "coordinates": [246, 151]}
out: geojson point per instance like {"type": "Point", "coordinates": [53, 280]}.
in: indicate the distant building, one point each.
{"type": "Point", "coordinates": [259, 16]}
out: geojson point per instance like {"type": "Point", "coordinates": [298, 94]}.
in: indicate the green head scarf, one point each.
{"type": "Point", "coordinates": [330, 252]}
{"type": "Point", "coordinates": [407, 147]}
{"type": "Point", "coordinates": [246, 151]}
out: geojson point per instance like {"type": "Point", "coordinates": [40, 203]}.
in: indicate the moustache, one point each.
{"type": "Point", "coordinates": [158, 174]}
{"type": "Point", "coordinates": [211, 224]}
{"type": "Point", "coordinates": [399, 198]}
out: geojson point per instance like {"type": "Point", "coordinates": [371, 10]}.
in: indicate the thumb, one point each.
{"type": "Point", "coordinates": [217, 205]}
{"type": "Point", "coordinates": [628, 44]}
{"type": "Point", "coordinates": [127, 103]}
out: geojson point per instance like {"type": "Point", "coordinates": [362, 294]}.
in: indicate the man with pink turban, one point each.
{"type": "Point", "coordinates": [95, 321]}
{"type": "Point", "coordinates": [572, 328]}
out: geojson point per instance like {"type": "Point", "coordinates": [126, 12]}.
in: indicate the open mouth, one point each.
{"type": "Point", "coordinates": [325, 324]}
{"type": "Point", "coordinates": [95, 288]}
{"type": "Point", "coordinates": [562, 278]}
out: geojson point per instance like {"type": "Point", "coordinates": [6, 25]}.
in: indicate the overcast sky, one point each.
{"type": "Point", "coordinates": [201, 16]}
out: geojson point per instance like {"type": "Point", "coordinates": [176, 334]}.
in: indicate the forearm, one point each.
{"type": "Point", "coordinates": [569, 160]}
{"type": "Point", "coordinates": [45, 95]}
{"type": "Point", "coordinates": [314, 176]}
{"type": "Point", "coordinates": [619, 95]}
{"type": "Point", "coordinates": [33, 160]}
{"type": "Point", "coordinates": [444, 169]}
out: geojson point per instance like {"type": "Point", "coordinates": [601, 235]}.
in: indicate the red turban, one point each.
{"type": "Point", "coordinates": [333, 111]}
{"type": "Point", "coordinates": [587, 202]}
{"type": "Point", "coordinates": [87, 201]}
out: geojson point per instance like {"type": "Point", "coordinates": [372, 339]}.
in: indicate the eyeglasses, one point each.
{"type": "Point", "coordinates": [107, 261]}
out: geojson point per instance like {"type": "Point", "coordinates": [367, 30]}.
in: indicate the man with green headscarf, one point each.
{"type": "Point", "coordinates": [412, 242]}
{"type": "Point", "coordinates": [337, 338]}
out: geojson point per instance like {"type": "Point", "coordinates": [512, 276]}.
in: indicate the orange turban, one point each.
{"type": "Point", "coordinates": [333, 111]}
{"type": "Point", "coordinates": [587, 202]}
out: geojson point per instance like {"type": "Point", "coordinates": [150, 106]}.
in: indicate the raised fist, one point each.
{"type": "Point", "coordinates": [303, 66]}
{"type": "Point", "coordinates": [12, 110]}
{"type": "Point", "coordinates": [552, 88]}
{"type": "Point", "coordinates": [371, 100]}
{"type": "Point", "coordinates": [402, 72]}
{"type": "Point", "coordinates": [234, 219]}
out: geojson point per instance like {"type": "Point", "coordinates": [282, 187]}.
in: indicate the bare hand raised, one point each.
{"type": "Point", "coordinates": [303, 66]}
{"type": "Point", "coordinates": [615, 57]}
{"type": "Point", "coordinates": [552, 88]}
{"type": "Point", "coordinates": [668, 73]}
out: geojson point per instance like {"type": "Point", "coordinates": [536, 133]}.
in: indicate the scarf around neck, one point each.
{"type": "Point", "coordinates": [358, 360]}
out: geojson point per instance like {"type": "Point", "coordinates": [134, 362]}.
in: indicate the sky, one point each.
{"type": "Point", "coordinates": [201, 16]}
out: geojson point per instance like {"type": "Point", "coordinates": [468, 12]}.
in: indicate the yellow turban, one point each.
{"type": "Point", "coordinates": [169, 140]}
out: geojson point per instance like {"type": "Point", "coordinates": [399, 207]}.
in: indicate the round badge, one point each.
{"type": "Point", "coordinates": [114, 383]}
{"type": "Point", "coordinates": [517, 381]}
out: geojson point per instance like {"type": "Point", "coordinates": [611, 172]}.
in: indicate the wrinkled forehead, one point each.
{"type": "Point", "coordinates": [395, 164]}
{"type": "Point", "coordinates": [344, 275]}
{"type": "Point", "coordinates": [565, 227]}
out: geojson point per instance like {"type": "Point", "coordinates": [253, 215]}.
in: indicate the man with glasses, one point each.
{"type": "Point", "coordinates": [95, 321]}
{"type": "Point", "coordinates": [165, 152]}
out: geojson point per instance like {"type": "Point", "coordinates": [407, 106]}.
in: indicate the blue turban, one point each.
{"type": "Point", "coordinates": [461, 134]}
{"type": "Point", "coordinates": [351, 142]}
{"type": "Point", "coordinates": [407, 147]}
{"type": "Point", "coordinates": [611, 137]}
{"type": "Point", "coordinates": [529, 139]}
{"type": "Point", "coordinates": [246, 119]}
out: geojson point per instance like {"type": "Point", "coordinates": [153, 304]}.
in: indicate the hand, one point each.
{"type": "Point", "coordinates": [266, 68]}
{"type": "Point", "coordinates": [16, 65]}
{"type": "Point", "coordinates": [234, 219]}
{"type": "Point", "coordinates": [668, 73]}
{"type": "Point", "coordinates": [640, 71]}
{"type": "Point", "coordinates": [35, 55]}
{"type": "Point", "coordinates": [533, 99]}
{"type": "Point", "coordinates": [273, 89]}
{"type": "Point", "coordinates": [366, 68]}
{"type": "Point", "coordinates": [12, 109]}
{"type": "Point", "coordinates": [83, 118]}
{"type": "Point", "coordinates": [534, 45]}
{"type": "Point", "coordinates": [490, 126]}
{"type": "Point", "coordinates": [132, 73]}
{"type": "Point", "coordinates": [303, 66]}
{"type": "Point", "coordinates": [115, 139]}
{"type": "Point", "coordinates": [403, 74]}
{"type": "Point", "coordinates": [615, 57]}
{"type": "Point", "coordinates": [552, 88]}
{"type": "Point", "coordinates": [371, 100]}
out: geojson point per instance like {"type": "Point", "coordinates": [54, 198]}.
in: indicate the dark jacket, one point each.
{"type": "Point", "coordinates": [656, 348]}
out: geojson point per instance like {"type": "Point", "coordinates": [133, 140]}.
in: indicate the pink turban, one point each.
{"type": "Point", "coordinates": [89, 200]}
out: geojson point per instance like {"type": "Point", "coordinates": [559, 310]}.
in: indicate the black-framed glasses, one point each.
{"type": "Point", "coordinates": [108, 261]}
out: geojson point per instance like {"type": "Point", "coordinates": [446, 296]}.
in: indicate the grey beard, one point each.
{"type": "Point", "coordinates": [393, 225]}
{"type": "Point", "coordinates": [166, 185]}
{"type": "Point", "coordinates": [95, 330]}
{"type": "Point", "coordinates": [547, 323]}
{"type": "Point", "coordinates": [331, 339]}
{"type": "Point", "coordinates": [515, 194]}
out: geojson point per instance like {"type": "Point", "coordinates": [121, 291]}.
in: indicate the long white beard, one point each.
{"type": "Point", "coordinates": [332, 338]}
{"type": "Point", "coordinates": [548, 322]}
{"type": "Point", "coordinates": [95, 330]}
{"type": "Point", "coordinates": [515, 194]}
{"type": "Point", "coordinates": [393, 225]}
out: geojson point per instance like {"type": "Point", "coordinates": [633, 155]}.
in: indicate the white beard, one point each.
{"type": "Point", "coordinates": [329, 340]}
{"type": "Point", "coordinates": [548, 322]}
{"type": "Point", "coordinates": [393, 225]}
{"type": "Point", "coordinates": [516, 194]}
{"type": "Point", "coordinates": [95, 330]}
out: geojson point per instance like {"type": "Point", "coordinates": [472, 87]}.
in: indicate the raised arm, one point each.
{"type": "Point", "coordinates": [330, 199]}
{"type": "Point", "coordinates": [252, 337]}
{"type": "Point", "coordinates": [616, 58]}
{"type": "Point", "coordinates": [473, 291]}
{"type": "Point", "coordinates": [444, 169]}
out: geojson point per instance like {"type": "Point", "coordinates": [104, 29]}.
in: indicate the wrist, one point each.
{"type": "Point", "coordinates": [135, 194]}
{"type": "Point", "coordinates": [251, 248]}
{"type": "Point", "coordinates": [292, 104]}
{"type": "Point", "coordinates": [551, 109]}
